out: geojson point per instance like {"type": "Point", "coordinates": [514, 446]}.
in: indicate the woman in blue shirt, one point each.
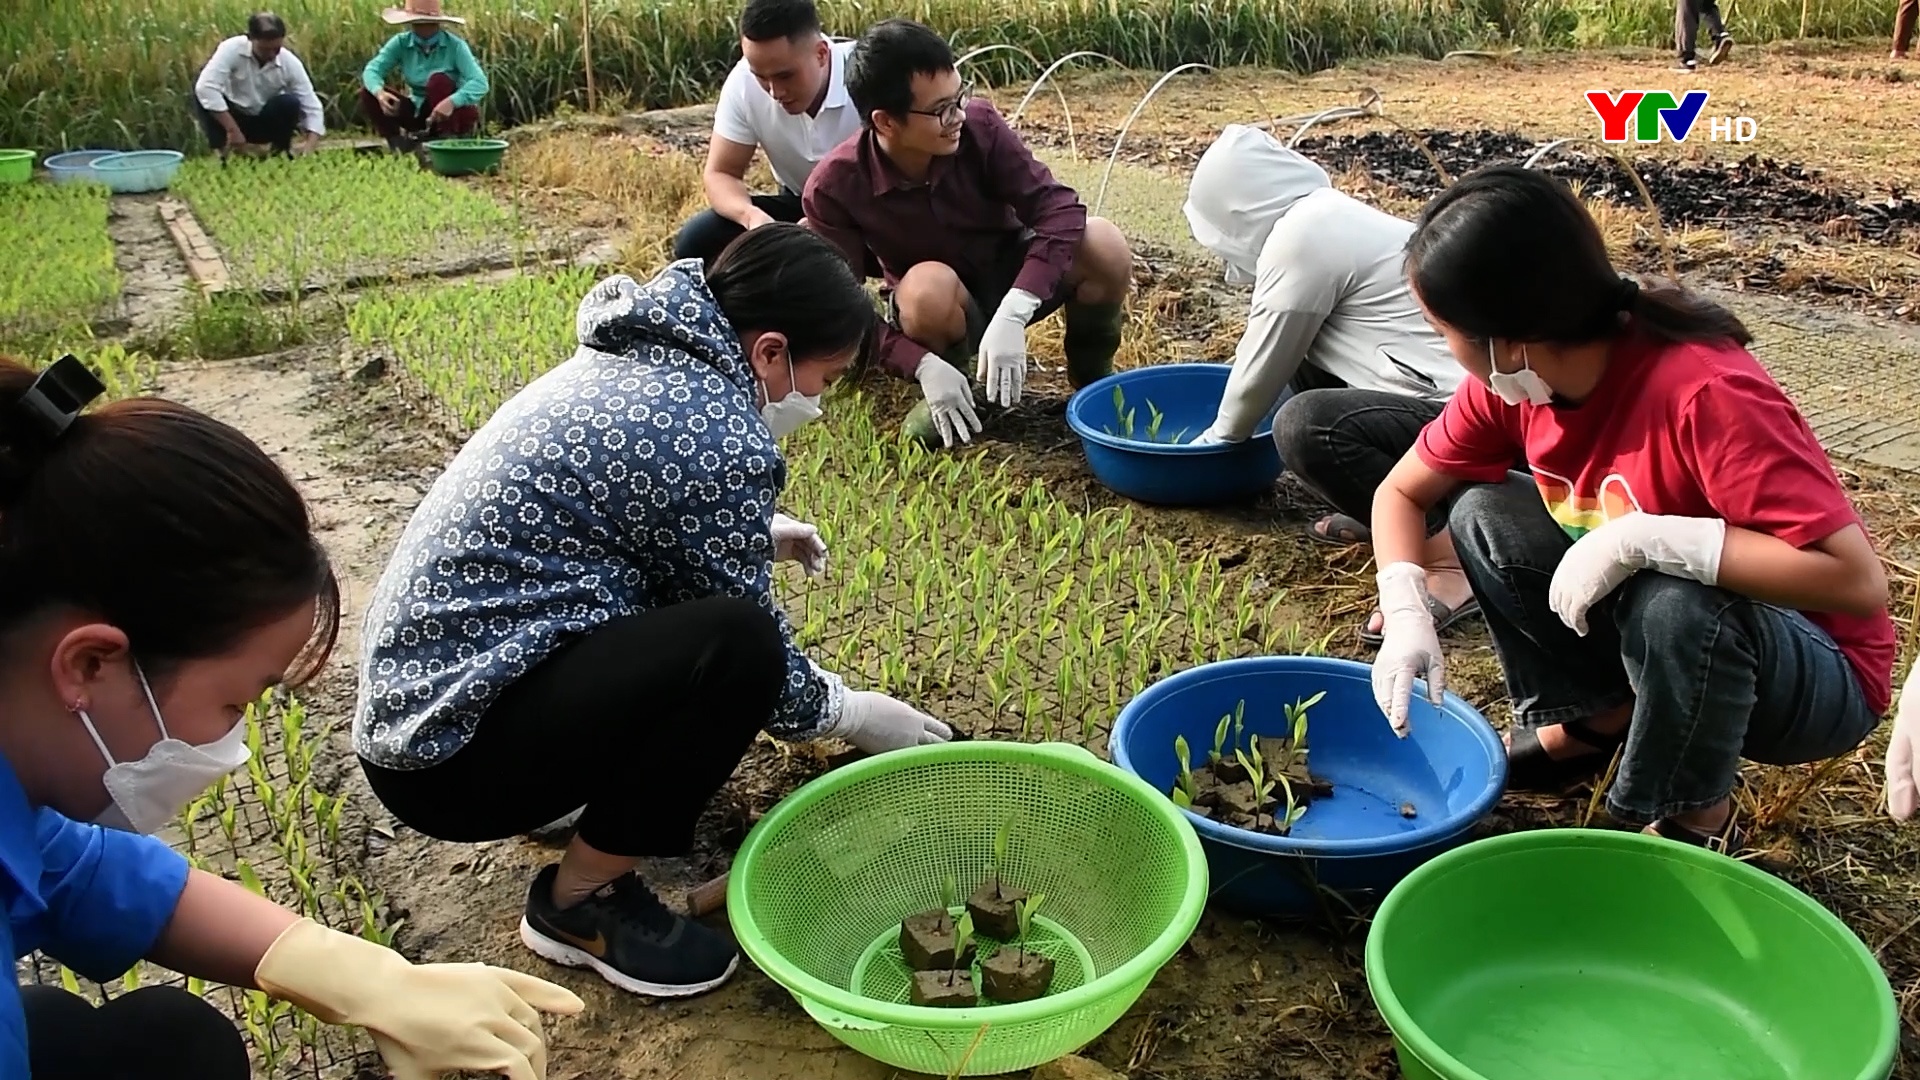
{"type": "Point", "coordinates": [158, 572]}
{"type": "Point", "coordinates": [581, 613]}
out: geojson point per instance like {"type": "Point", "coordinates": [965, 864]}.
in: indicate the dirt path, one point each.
{"type": "Point", "coordinates": [155, 288]}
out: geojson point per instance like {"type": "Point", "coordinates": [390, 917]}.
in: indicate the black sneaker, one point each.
{"type": "Point", "coordinates": [626, 934]}
{"type": "Point", "coordinates": [1721, 47]}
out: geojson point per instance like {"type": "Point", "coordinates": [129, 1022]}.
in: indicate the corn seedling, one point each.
{"type": "Point", "coordinates": [1183, 788]}
{"type": "Point", "coordinates": [1296, 749]}
{"type": "Point", "coordinates": [59, 268]}
{"type": "Point", "coordinates": [1000, 838]}
{"type": "Point", "coordinates": [962, 934]}
{"type": "Point", "coordinates": [329, 220]}
{"type": "Point", "coordinates": [1151, 433]}
{"type": "Point", "coordinates": [1023, 910]}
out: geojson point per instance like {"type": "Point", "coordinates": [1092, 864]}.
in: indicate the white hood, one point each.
{"type": "Point", "coordinates": [1241, 186]}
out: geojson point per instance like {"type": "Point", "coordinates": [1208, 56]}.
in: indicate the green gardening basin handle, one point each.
{"type": "Point", "coordinates": [838, 1020]}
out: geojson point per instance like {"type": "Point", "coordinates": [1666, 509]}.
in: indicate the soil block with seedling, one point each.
{"type": "Point", "coordinates": [1238, 786]}
{"type": "Point", "coordinates": [1012, 974]}
{"type": "Point", "coordinates": [952, 988]}
{"type": "Point", "coordinates": [927, 939]}
{"type": "Point", "coordinates": [992, 904]}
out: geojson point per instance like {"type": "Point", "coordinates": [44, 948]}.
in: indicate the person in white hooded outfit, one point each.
{"type": "Point", "coordinates": [1333, 333]}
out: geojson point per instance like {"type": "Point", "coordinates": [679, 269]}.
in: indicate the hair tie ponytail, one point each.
{"type": "Point", "coordinates": [1629, 292]}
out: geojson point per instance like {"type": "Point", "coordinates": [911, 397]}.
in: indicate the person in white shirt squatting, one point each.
{"type": "Point", "coordinates": [787, 97]}
{"type": "Point", "coordinates": [254, 95]}
{"type": "Point", "coordinates": [1334, 335]}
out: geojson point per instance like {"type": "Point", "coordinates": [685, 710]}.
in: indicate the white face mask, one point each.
{"type": "Point", "coordinates": [790, 413]}
{"type": "Point", "coordinates": [1515, 387]}
{"type": "Point", "coordinates": [152, 791]}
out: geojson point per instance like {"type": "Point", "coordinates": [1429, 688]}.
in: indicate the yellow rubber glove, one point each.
{"type": "Point", "coordinates": [426, 1019]}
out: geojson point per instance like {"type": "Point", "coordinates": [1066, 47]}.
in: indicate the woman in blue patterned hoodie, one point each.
{"type": "Point", "coordinates": [580, 613]}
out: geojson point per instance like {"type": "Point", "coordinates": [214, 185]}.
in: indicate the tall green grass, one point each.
{"type": "Point", "coordinates": [117, 72]}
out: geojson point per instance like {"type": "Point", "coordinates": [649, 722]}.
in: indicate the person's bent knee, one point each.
{"type": "Point", "coordinates": [1299, 429]}
{"type": "Point", "coordinates": [932, 303]}
{"type": "Point", "coordinates": [751, 637]}
{"type": "Point", "coordinates": [188, 1036]}
{"type": "Point", "coordinates": [1476, 517]}
{"type": "Point", "coordinates": [1662, 609]}
{"type": "Point", "coordinates": [1105, 262]}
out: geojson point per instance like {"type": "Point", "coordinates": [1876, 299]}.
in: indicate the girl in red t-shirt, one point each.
{"type": "Point", "coordinates": [1655, 442]}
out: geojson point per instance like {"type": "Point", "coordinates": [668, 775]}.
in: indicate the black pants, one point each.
{"type": "Point", "coordinates": [1687, 17]}
{"type": "Point", "coordinates": [640, 722]}
{"type": "Point", "coordinates": [153, 1033]}
{"type": "Point", "coordinates": [706, 234]}
{"type": "Point", "coordinates": [274, 124]}
{"type": "Point", "coordinates": [1343, 442]}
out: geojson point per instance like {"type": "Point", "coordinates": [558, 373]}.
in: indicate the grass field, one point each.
{"type": "Point", "coordinates": [116, 73]}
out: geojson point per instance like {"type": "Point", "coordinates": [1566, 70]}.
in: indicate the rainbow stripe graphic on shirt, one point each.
{"type": "Point", "coordinates": [1581, 514]}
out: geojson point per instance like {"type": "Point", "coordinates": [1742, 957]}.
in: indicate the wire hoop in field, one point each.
{"type": "Point", "coordinates": [1131, 117]}
{"type": "Point", "coordinates": [984, 49]}
{"type": "Point", "coordinates": [1653, 209]}
{"type": "Point", "coordinates": [1369, 108]}
{"type": "Point", "coordinates": [1073, 145]}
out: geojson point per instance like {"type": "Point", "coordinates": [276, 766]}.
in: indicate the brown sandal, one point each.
{"type": "Point", "coordinates": [1340, 530]}
{"type": "Point", "coordinates": [1728, 840]}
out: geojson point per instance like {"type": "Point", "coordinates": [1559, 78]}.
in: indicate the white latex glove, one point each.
{"type": "Point", "coordinates": [1902, 780]}
{"type": "Point", "coordinates": [426, 1019]}
{"type": "Point", "coordinates": [1410, 647]}
{"type": "Point", "coordinates": [877, 723]}
{"type": "Point", "coordinates": [949, 399]}
{"type": "Point", "coordinates": [1214, 436]}
{"type": "Point", "coordinates": [1003, 348]}
{"type": "Point", "coordinates": [1598, 562]}
{"type": "Point", "coordinates": [799, 542]}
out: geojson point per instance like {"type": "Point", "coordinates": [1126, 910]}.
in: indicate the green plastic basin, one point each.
{"type": "Point", "coordinates": [1585, 954]}
{"type": "Point", "coordinates": [461, 157]}
{"type": "Point", "coordinates": [16, 166]}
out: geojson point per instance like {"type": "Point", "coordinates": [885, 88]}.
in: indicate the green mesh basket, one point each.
{"type": "Point", "coordinates": [818, 891]}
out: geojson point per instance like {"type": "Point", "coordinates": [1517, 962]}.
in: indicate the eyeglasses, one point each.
{"type": "Point", "coordinates": [952, 111]}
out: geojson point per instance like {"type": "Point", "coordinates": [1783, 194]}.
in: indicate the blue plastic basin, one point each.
{"type": "Point", "coordinates": [76, 166]}
{"type": "Point", "coordinates": [138, 171]}
{"type": "Point", "coordinates": [1452, 767]}
{"type": "Point", "coordinates": [1171, 473]}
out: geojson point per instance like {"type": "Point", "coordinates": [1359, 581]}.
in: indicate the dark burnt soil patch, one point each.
{"type": "Point", "coordinates": [1752, 191]}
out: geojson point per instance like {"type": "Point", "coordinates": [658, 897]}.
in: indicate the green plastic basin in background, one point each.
{"type": "Point", "coordinates": [16, 166]}
{"type": "Point", "coordinates": [463, 157]}
{"type": "Point", "coordinates": [1586, 954]}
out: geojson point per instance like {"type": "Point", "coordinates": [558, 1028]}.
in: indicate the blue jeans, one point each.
{"type": "Point", "coordinates": [1713, 676]}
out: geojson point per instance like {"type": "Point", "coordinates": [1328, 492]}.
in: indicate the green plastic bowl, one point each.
{"type": "Point", "coordinates": [462, 157]}
{"type": "Point", "coordinates": [16, 166]}
{"type": "Point", "coordinates": [818, 891]}
{"type": "Point", "coordinates": [1586, 954]}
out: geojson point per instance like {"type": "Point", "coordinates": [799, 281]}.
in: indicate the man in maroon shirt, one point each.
{"type": "Point", "coordinates": [974, 236]}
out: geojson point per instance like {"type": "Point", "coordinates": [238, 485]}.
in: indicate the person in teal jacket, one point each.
{"type": "Point", "coordinates": [441, 84]}
{"type": "Point", "coordinates": [128, 657]}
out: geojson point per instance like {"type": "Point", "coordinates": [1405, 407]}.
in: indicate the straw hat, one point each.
{"type": "Point", "coordinates": [418, 11]}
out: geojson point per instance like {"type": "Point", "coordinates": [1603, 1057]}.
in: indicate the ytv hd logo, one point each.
{"type": "Point", "coordinates": [1636, 116]}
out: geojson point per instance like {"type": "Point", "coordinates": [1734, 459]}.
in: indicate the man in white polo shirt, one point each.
{"type": "Point", "coordinates": [254, 94]}
{"type": "Point", "coordinates": [787, 97]}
